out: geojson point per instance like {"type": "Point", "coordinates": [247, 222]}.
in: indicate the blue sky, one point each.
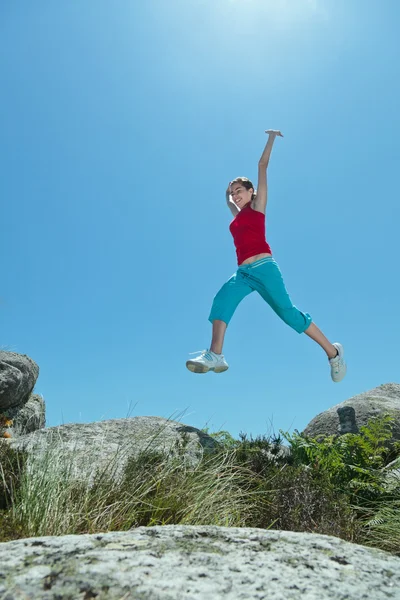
{"type": "Point", "coordinates": [121, 124]}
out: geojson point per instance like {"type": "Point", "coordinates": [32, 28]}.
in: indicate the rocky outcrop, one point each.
{"type": "Point", "coordinates": [20, 411]}
{"type": "Point", "coordinates": [351, 414]}
{"type": "Point", "coordinates": [18, 375]}
{"type": "Point", "coordinates": [88, 447]}
{"type": "Point", "coordinates": [178, 562]}
{"type": "Point", "coordinates": [26, 418]}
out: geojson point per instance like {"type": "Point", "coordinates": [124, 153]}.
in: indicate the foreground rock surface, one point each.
{"type": "Point", "coordinates": [87, 447]}
{"type": "Point", "coordinates": [350, 415]}
{"type": "Point", "coordinates": [202, 563]}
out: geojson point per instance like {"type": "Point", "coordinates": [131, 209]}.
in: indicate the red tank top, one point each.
{"type": "Point", "coordinates": [248, 231]}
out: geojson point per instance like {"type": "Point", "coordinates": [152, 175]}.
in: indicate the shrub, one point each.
{"type": "Point", "coordinates": [308, 502]}
{"type": "Point", "coordinates": [12, 463]}
{"type": "Point", "coordinates": [352, 462]}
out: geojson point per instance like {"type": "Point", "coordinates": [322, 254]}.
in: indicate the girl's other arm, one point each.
{"type": "Point", "coordinates": [232, 206]}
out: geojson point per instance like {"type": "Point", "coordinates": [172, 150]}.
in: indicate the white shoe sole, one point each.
{"type": "Point", "coordinates": [196, 367]}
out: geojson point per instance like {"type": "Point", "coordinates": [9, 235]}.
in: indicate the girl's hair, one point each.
{"type": "Point", "coordinates": [246, 183]}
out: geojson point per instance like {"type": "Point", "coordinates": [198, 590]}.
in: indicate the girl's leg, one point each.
{"type": "Point", "coordinates": [224, 305]}
{"type": "Point", "coordinates": [272, 288]}
{"type": "Point", "coordinates": [316, 334]}
{"type": "Point", "coordinates": [218, 334]}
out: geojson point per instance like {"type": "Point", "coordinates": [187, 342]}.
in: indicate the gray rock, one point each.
{"type": "Point", "coordinates": [350, 415]}
{"type": "Point", "coordinates": [28, 417]}
{"type": "Point", "coordinates": [196, 563]}
{"type": "Point", "coordinates": [18, 375]}
{"type": "Point", "coordinates": [87, 447]}
{"type": "Point", "coordinates": [395, 464]}
{"type": "Point", "coordinates": [392, 475]}
{"type": "Point", "coordinates": [347, 420]}
{"type": "Point", "coordinates": [281, 456]}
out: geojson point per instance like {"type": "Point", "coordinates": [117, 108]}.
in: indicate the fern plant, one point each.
{"type": "Point", "coordinates": [352, 462]}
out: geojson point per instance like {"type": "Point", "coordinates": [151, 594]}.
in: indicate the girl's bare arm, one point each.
{"type": "Point", "coordinates": [260, 203]}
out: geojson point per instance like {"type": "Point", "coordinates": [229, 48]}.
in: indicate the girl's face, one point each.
{"type": "Point", "coordinates": [240, 195]}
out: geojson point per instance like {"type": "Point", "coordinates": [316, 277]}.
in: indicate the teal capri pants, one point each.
{"type": "Point", "coordinates": [264, 277]}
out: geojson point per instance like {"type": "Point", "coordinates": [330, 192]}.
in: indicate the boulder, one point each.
{"type": "Point", "coordinates": [23, 419]}
{"type": "Point", "coordinates": [84, 448]}
{"type": "Point", "coordinates": [177, 562]}
{"type": "Point", "coordinates": [18, 375]}
{"type": "Point", "coordinates": [350, 415]}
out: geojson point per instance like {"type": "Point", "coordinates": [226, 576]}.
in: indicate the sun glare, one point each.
{"type": "Point", "coordinates": [283, 11]}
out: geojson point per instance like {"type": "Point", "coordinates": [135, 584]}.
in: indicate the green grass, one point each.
{"type": "Point", "coordinates": [331, 486]}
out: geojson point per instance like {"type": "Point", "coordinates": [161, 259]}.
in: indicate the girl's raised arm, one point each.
{"type": "Point", "coordinates": [260, 203]}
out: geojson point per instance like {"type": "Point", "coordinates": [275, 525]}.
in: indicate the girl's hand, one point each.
{"type": "Point", "coordinates": [274, 132]}
{"type": "Point", "coordinates": [228, 189]}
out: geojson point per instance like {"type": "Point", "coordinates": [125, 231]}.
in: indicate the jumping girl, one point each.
{"type": "Point", "coordinates": [258, 271]}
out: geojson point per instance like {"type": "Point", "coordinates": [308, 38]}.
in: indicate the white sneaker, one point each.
{"type": "Point", "coordinates": [207, 361]}
{"type": "Point", "coordinates": [338, 366]}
